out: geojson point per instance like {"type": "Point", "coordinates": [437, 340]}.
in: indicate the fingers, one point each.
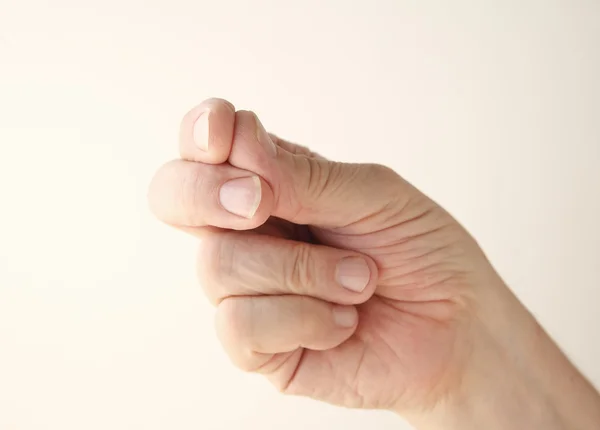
{"type": "Point", "coordinates": [309, 189]}
{"type": "Point", "coordinates": [295, 184]}
{"type": "Point", "coordinates": [192, 194]}
{"type": "Point", "coordinates": [294, 148]}
{"type": "Point", "coordinates": [302, 187]}
{"type": "Point", "coordinates": [250, 327]}
{"type": "Point", "coordinates": [206, 132]}
{"type": "Point", "coordinates": [242, 264]}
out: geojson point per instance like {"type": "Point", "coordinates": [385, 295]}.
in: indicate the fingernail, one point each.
{"type": "Point", "coordinates": [353, 273]}
{"type": "Point", "coordinates": [201, 131]}
{"type": "Point", "coordinates": [345, 316]}
{"type": "Point", "coordinates": [264, 139]}
{"type": "Point", "coordinates": [241, 196]}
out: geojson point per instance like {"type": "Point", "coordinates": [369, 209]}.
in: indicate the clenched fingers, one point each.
{"type": "Point", "coordinates": [251, 329]}
{"type": "Point", "coordinates": [247, 264]}
{"type": "Point", "coordinates": [192, 194]}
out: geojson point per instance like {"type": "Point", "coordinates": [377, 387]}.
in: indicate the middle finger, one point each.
{"type": "Point", "coordinates": [248, 264]}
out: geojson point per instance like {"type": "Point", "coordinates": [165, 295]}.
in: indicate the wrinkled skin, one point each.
{"type": "Point", "coordinates": [409, 346]}
{"type": "Point", "coordinates": [416, 333]}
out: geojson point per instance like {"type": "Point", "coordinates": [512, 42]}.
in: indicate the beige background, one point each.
{"type": "Point", "coordinates": [493, 108]}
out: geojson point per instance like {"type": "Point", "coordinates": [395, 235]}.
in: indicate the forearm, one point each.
{"type": "Point", "coordinates": [518, 379]}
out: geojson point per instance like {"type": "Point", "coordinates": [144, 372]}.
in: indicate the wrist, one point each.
{"type": "Point", "coordinates": [516, 377]}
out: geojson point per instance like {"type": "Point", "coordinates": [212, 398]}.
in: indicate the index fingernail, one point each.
{"type": "Point", "coordinates": [202, 130]}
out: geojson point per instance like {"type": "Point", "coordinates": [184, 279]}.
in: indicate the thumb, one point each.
{"type": "Point", "coordinates": [309, 189]}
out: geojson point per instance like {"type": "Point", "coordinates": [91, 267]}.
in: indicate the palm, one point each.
{"type": "Point", "coordinates": [404, 347]}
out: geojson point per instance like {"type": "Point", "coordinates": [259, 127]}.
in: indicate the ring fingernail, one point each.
{"type": "Point", "coordinates": [353, 273]}
{"type": "Point", "coordinates": [345, 317]}
{"type": "Point", "coordinates": [241, 196]}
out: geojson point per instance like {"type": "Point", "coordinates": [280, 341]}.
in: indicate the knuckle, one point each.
{"type": "Point", "coordinates": [198, 185]}
{"type": "Point", "coordinates": [373, 173]}
{"type": "Point", "coordinates": [380, 174]}
{"type": "Point", "coordinates": [245, 120]}
{"type": "Point", "coordinates": [299, 272]}
{"type": "Point", "coordinates": [206, 269]}
{"type": "Point", "coordinates": [381, 170]}
{"type": "Point", "coordinates": [321, 176]}
{"type": "Point", "coordinates": [327, 178]}
{"type": "Point", "coordinates": [192, 185]}
{"type": "Point", "coordinates": [215, 265]}
{"type": "Point", "coordinates": [309, 312]}
{"type": "Point", "coordinates": [232, 323]}
{"type": "Point", "coordinates": [163, 191]}
{"type": "Point", "coordinates": [388, 190]}
{"type": "Point", "coordinates": [232, 319]}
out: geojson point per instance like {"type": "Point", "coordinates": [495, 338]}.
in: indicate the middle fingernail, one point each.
{"type": "Point", "coordinates": [241, 196]}
{"type": "Point", "coordinates": [353, 273]}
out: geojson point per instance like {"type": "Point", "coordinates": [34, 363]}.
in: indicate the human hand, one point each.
{"type": "Point", "coordinates": [341, 282]}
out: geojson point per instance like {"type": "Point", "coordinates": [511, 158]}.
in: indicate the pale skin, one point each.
{"type": "Point", "coordinates": [344, 283]}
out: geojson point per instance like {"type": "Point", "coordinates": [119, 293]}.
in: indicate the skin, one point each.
{"type": "Point", "coordinates": [435, 335]}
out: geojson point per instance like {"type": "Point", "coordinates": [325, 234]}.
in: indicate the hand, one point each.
{"type": "Point", "coordinates": [341, 282]}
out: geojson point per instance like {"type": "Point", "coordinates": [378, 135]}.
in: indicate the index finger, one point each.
{"type": "Point", "coordinates": [206, 132]}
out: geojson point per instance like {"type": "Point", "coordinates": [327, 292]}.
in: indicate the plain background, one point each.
{"type": "Point", "coordinates": [491, 107]}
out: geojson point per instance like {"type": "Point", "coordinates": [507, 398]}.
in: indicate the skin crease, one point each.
{"type": "Point", "coordinates": [412, 322]}
{"type": "Point", "coordinates": [436, 325]}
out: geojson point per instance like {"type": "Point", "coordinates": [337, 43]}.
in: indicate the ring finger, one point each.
{"type": "Point", "coordinates": [252, 329]}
